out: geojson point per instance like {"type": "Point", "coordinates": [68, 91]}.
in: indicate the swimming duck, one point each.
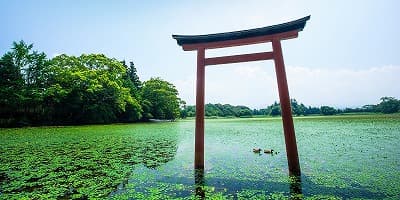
{"type": "Point", "coordinates": [256, 150]}
{"type": "Point", "coordinates": [268, 151]}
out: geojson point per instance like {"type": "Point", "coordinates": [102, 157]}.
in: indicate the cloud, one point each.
{"type": "Point", "coordinates": [255, 85]}
{"type": "Point", "coordinates": [55, 55]}
{"type": "Point", "coordinates": [343, 87]}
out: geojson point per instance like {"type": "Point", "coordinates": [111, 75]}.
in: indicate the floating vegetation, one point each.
{"type": "Point", "coordinates": [342, 157]}
{"type": "Point", "coordinates": [77, 162]}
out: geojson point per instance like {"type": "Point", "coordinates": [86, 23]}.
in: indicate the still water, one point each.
{"type": "Point", "coordinates": [341, 157]}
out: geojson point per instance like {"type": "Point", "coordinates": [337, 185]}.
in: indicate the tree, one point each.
{"type": "Point", "coordinates": [23, 74]}
{"type": "Point", "coordinates": [275, 110]}
{"type": "Point", "coordinates": [219, 110]}
{"type": "Point", "coordinates": [11, 84]}
{"type": "Point", "coordinates": [132, 74]}
{"type": "Point", "coordinates": [242, 111]}
{"type": "Point", "coordinates": [388, 105]}
{"type": "Point", "coordinates": [75, 90]}
{"type": "Point", "coordinates": [183, 111]}
{"type": "Point", "coordinates": [245, 113]}
{"type": "Point", "coordinates": [131, 79]}
{"type": "Point", "coordinates": [93, 90]}
{"type": "Point", "coordinates": [326, 110]}
{"type": "Point", "coordinates": [312, 111]}
{"type": "Point", "coordinates": [213, 110]}
{"type": "Point", "coordinates": [190, 111]}
{"type": "Point", "coordinates": [162, 97]}
{"type": "Point", "coordinates": [297, 109]}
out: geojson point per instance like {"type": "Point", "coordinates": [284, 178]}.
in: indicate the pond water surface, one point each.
{"type": "Point", "coordinates": [340, 157]}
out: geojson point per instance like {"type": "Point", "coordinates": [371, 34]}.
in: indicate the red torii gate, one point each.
{"type": "Point", "coordinates": [273, 34]}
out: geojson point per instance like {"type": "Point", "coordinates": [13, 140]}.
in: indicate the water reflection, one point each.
{"type": "Point", "coordinates": [295, 187]}
{"type": "Point", "coordinates": [199, 183]}
{"type": "Point", "coordinates": [233, 169]}
{"type": "Point", "coordinates": [153, 153]}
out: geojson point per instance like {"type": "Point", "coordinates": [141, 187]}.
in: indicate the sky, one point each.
{"type": "Point", "coordinates": [346, 56]}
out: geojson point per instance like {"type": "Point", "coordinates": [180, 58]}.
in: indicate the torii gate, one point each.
{"type": "Point", "coordinates": [273, 34]}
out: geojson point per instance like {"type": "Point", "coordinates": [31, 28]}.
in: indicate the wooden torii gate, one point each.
{"type": "Point", "coordinates": [273, 34]}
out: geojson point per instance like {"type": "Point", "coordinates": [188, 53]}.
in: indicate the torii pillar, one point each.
{"type": "Point", "coordinates": [273, 34]}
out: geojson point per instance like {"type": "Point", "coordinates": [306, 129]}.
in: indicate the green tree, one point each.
{"type": "Point", "coordinates": [23, 83]}
{"type": "Point", "coordinates": [132, 74]}
{"type": "Point", "coordinates": [11, 85]}
{"type": "Point", "coordinates": [73, 90]}
{"type": "Point", "coordinates": [312, 111]}
{"type": "Point", "coordinates": [388, 105]}
{"type": "Point", "coordinates": [275, 110]}
{"type": "Point", "coordinates": [183, 111]}
{"type": "Point", "coordinates": [241, 111]}
{"type": "Point", "coordinates": [327, 110]}
{"type": "Point", "coordinates": [131, 79]}
{"type": "Point", "coordinates": [297, 109]}
{"type": "Point", "coordinates": [213, 110]}
{"type": "Point", "coordinates": [162, 98]}
{"type": "Point", "coordinates": [190, 111]}
{"type": "Point", "coordinates": [92, 90]}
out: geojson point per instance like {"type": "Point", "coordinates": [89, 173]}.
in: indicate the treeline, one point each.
{"type": "Point", "coordinates": [219, 110]}
{"type": "Point", "coordinates": [66, 89]}
{"type": "Point", "coordinates": [387, 105]}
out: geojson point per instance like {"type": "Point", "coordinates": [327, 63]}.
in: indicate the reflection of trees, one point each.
{"type": "Point", "coordinates": [156, 151]}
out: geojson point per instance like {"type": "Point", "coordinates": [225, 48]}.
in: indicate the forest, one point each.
{"type": "Point", "coordinates": [88, 89]}
{"type": "Point", "coordinates": [94, 88]}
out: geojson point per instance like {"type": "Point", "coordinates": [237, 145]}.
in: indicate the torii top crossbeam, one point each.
{"type": "Point", "coordinates": [273, 34]}
{"type": "Point", "coordinates": [251, 36]}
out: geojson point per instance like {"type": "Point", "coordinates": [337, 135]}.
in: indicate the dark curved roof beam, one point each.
{"type": "Point", "coordinates": [251, 36]}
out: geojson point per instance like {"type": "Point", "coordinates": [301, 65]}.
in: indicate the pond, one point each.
{"type": "Point", "coordinates": [341, 157]}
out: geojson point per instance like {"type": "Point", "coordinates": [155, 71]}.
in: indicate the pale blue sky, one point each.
{"type": "Point", "coordinates": [347, 55]}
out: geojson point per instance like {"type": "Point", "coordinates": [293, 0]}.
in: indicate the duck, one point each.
{"type": "Point", "coordinates": [256, 150]}
{"type": "Point", "coordinates": [268, 151]}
